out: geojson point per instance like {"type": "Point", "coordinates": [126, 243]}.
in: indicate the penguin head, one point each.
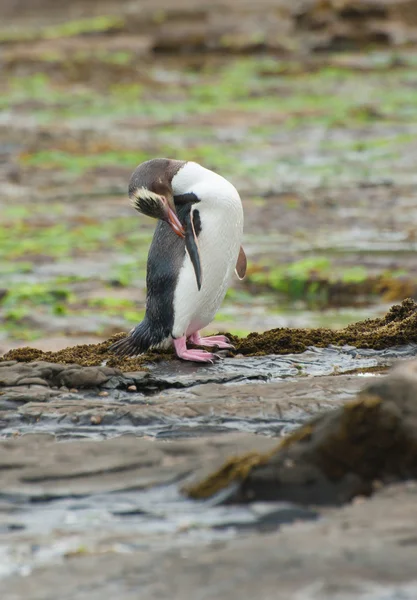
{"type": "Point", "coordinates": [150, 191]}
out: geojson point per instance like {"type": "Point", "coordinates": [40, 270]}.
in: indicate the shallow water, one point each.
{"type": "Point", "coordinates": [159, 517]}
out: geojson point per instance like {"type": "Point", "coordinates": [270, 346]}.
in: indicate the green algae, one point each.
{"type": "Point", "coordinates": [98, 24]}
{"type": "Point", "coordinates": [318, 282]}
{"type": "Point", "coordinates": [397, 327]}
{"type": "Point", "coordinates": [79, 163]}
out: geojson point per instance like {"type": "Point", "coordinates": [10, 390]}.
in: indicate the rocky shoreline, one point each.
{"type": "Point", "coordinates": [98, 508]}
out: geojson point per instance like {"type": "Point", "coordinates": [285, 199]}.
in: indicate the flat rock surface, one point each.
{"type": "Point", "coordinates": [205, 409]}
{"type": "Point", "coordinates": [35, 467]}
{"type": "Point", "coordinates": [364, 551]}
{"type": "Point", "coordinates": [198, 411]}
{"type": "Point", "coordinates": [268, 395]}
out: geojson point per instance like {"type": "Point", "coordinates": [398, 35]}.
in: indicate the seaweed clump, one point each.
{"type": "Point", "coordinates": [397, 327]}
{"type": "Point", "coordinates": [89, 355]}
{"type": "Point", "coordinates": [342, 453]}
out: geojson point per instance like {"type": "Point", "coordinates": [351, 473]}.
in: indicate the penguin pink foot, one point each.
{"type": "Point", "coordinates": [220, 341]}
{"type": "Point", "coordinates": [194, 355]}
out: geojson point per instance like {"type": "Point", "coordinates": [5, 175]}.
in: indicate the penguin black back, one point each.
{"type": "Point", "coordinates": [165, 259]}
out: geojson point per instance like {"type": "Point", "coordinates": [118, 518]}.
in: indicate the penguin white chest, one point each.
{"type": "Point", "coordinates": [221, 216]}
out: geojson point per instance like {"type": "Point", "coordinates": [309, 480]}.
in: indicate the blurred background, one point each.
{"type": "Point", "coordinates": [309, 107]}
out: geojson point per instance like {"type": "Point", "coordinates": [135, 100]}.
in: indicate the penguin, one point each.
{"type": "Point", "coordinates": [195, 249]}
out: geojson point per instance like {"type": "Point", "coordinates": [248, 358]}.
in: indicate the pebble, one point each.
{"type": "Point", "coordinates": [103, 393]}
{"type": "Point", "coordinates": [359, 499]}
{"type": "Point", "coordinates": [96, 419]}
{"type": "Point", "coordinates": [132, 388]}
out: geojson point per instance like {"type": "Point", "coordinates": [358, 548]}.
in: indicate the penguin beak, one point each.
{"type": "Point", "coordinates": [170, 216]}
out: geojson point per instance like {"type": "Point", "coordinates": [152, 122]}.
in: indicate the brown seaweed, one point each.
{"type": "Point", "coordinates": [397, 327]}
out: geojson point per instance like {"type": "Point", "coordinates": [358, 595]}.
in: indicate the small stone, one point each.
{"type": "Point", "coordinates": [359, 500]}
{"type": "Point", "coordinates": [96, 419]}
{"type": "Point", "coordinates": [103, 393]}
{"type": "Point", "coordinates": [73, 390]}
{"type": "Point", "coordinates": [132, 388]}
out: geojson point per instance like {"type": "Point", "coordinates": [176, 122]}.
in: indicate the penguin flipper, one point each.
{"type": "Point", "coordinates": [241, 264]}
{"type": "Point", "coordinates": [191, 244]}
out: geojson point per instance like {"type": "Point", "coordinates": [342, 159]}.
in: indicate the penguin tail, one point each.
{"type": "Point", "coordinates": [141, 338]}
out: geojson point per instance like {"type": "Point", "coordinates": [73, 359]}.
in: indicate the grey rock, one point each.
{"type": "Point", "coordinates": [270, 408]}
{"type": "Point", "coordinates": [35, 466]}
{"type": "Point", "coordinates": [53, 374]}
{"type": "Point", "coordinates": [339, 454]}
{"type": "Point", "coordinates": [364, 551]}
{"type": "Point", "coordinates": [181, 374]}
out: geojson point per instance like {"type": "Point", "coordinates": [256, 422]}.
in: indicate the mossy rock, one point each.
{"type": "Point", "coordinates": [337, 455]}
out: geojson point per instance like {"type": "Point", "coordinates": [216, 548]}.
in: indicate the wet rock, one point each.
{"type": "Point", "coordinates": [270, 517]}
{"type": "Point", "coordinates": [196, 411]}
{"type": "Point", "coordinates": [337, 455]}
{"type": "Point", "coordinates": [53, 374]}
{"type": "Point", "coordinates": [118, 501]}
{"type": "Point", "coordinates": [36, 467]}
{"type": "Point", "coordinates": [21, 394]}
{"type": "Point", "coordinates": [269, 395]}
{"type": "Point", "coordinates": [356, 553]}
{"type": "Point", "coordinates": [169, 374]}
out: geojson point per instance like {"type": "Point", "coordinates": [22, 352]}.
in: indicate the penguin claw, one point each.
{"type": "Point", "coordinates": [197, 356]}
{"type": "Point", "coordinates": [193, 355]}
{"type": "Point", "coordinates": [208, 342]}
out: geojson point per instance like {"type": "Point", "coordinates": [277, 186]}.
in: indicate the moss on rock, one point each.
{"type": "Point", "coordinates": [337, 455]}
{"type": "Point", "coordinates": [397, 327]}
